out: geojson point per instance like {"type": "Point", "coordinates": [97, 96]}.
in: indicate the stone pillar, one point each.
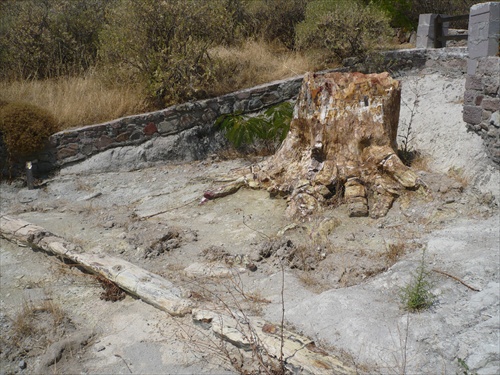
{"type": "Point", "coordinates": [426, 32]}
{"type": "Point", "coordinates": [482, 86]}
{"type": "Point", "coordinates": [484, 32]}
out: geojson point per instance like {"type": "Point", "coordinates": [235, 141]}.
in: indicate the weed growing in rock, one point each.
{"type": "Point", "coordinates": [464, 368]}
{"type": "Point", "coordinates": [417, 295]}
{"type": "Point", "coordinates": [228, 330]}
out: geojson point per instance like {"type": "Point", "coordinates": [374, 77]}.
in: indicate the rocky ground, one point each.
{"type": "Point", "coordinates": [337, 279]}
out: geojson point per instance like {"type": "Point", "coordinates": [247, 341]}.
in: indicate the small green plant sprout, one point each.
{"type": "Point", "coordinates": [417, 295]}
{"type": "Point", "coordinates": [270, 127]}
{"type": "Point", "coordinates": [464, 369]}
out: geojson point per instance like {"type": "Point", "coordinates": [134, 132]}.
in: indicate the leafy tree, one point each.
{"type": "Point", "coordinates": [405, 13]}
{"type": "Point", "coordinates": [275, 20]}
{"type": "Point", "coordinates": [344, 28]}
{"type": "Point", "coordinates": [165, 44]}
{"type": "Point", "coordinates": [49, 38]}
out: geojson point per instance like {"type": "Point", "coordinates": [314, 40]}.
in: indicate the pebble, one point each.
{"type": "Point", "coordinates": [22, 364]}
{"type": "Point", "coordinates": [109, 224]}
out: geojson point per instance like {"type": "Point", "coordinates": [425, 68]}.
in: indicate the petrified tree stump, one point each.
{"type": "Point", "coordinates": [342, 139]}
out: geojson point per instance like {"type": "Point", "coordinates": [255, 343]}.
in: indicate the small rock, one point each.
{"type": "Point", "coordinates": [108, 224]}
{"type": "Point", "coordinates": [252, 267]}
{"type": "Point", "coordinates": [255, 256]}
{"type": "Point", "coordinates": [22, 364]}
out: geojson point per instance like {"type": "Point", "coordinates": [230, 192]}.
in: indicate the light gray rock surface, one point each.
{"type": "Point", "coordinates": [369, 320]}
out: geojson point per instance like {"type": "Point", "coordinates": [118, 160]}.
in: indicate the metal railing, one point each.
{"type": "Point", "coordinates": [439, 38]}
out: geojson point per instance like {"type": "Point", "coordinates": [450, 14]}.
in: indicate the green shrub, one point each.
{"type": "Point", "coordinates": [49, 38]}
{"type": "Point", "coordinates": [165, 44]}
{"type": "Point", "coordinates": [269, 128]}
{"type": "Point", "coordinates": [343, 28]}
{"type": "Point", "coordinates": [275, 19]}
{"type": "Point", "coordinates": [25, 128]}
{"type": "Point", "coordinates": [417, 295]}
{"type": "Point", "coordinates": [405, 13]}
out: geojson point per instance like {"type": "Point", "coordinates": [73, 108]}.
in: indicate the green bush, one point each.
{"type": "Point", "coordinates": [269, 128]}
{"type": "Point", "coordinates": [343, 28]}
{"type": "Point", "coordinates": [25, 128]}
{"type": "Point", "coordinates": [405, 13]}
{"type": "Point", "coordinates": [275, 20]}
{"type": "Point", "coordinates": [49, 38]}
{"type": "Point", "coordinates": [165, 44]}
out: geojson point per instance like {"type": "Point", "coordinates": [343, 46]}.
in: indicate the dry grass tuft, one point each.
{"type": "Point", "coordinates": [24, 323]}
{"type": "Point", "coordinates": [76, 101]}
{"type": "Point", "coordinates": [420, 163]}
{"type": "Point", "coordinates": [459, 175]}
{"type": "Point", "coordinates": [394, 252]}
{"type": "Point", "coordinates": [257, 62]}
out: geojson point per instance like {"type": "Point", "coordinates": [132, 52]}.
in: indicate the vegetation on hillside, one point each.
{"type": "Point", "coordinates": [118, 57]}
{"type": "Point", "coordinates": [343, 28]}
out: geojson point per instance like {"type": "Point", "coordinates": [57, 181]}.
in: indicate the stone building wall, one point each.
{"type": "Point", "coordinates": [482, 104]}
{"type": "Point", "coordinates": [482, 98]}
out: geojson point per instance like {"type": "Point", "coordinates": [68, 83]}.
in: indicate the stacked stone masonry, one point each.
{"type": "Point", "coordinates": [78, 144]}
{"type": "Point", "coordinates": [482, 104]}
{"type": "Point", "coordinates": [481, 98]}
{"type": "Point", "coordinates": [75, 145]}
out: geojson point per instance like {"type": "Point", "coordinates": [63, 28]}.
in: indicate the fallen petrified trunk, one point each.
{"type": "Point", "coordinates": [299, 354]}
{"type": "Point", "coordinates": [342, 140]}
{"type": "Point", "coordinates": [148, 286]}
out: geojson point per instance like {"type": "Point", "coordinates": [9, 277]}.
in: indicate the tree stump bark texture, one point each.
{"type": "Point", "coordinates": [341, 143]}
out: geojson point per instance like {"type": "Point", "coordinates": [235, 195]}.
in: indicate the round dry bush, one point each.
{"type": "Point", "coordinates": [25, 128]}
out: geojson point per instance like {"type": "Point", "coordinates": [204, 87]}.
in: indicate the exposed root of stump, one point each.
{"type": "Point", "coordinates": [341, 144]}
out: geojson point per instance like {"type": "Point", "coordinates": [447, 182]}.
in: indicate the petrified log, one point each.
{"type": "Point", "coordinates": [342, 140]}
{"type": "Point", "coordinates": [249, 333]}
{"type": "Point", "coordinates": [146, 285]}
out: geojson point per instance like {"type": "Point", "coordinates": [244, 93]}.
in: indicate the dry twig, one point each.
{"type": "Point", "coordinates": [455, 278]}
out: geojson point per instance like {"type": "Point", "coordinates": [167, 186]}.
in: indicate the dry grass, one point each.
{"type": "Point", "coordinates": [79, 101]}
{"type": "Point", "coordinates": [95, 98]}
{"type": "Point", "coordinates": [257, 62]}
{"type": "Point", "coordinates": [420, 163]}
{"type": "Point", "coordinates": [394, 252]}
{"type": "Point", "coordinates": [24, 323]}
{"type": "Point", "coordinates": [76, 101]}
{"type": "Point", "coordinates": [459, 175]}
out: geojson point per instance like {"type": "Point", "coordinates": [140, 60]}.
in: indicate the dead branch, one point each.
{"type": "Point", "coordinates": [455, 278]}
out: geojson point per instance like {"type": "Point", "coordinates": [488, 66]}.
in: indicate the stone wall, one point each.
{"type": "Point", "coordinates": [482, 104]}
{"type": "Point", "coordinates": [75, 145]}
{"type": "Point", "coordinates": [187, 132]}
{"type": "Point", "coordinates": [482, 96]}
